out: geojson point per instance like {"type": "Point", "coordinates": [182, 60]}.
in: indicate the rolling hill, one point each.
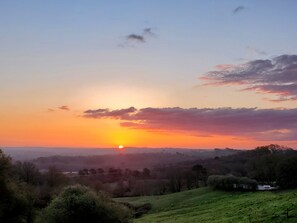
{"type": "Point", "coordinates": [206, 205]}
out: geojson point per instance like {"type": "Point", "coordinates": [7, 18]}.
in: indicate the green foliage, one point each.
{"type": "Point", "coordinates": [5, 164]}
{"type": "Point", "coordinates": [14, 202]}
{"type": "Point", "coordinates": [78, 204]}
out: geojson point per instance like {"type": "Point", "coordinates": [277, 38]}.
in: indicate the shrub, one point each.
{"type": "Point", "coordinates": [78, 204]}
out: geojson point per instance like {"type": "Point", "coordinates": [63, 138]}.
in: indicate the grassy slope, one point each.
{"type": "Point", "coordinates": [205, 205]}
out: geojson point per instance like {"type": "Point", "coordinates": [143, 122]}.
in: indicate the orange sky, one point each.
{"type": "Point", "coordinates": [85, 57]}
{"type": "Point", "coordinates": [67, 129]}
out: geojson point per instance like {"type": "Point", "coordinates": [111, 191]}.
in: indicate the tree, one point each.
{"type": "Point", "coordinates": [136, 173]}
{"type": "Point", "coordinates": [5, 164]}
{"type": "Point", "coordinates": [27, 172]}
{"type": "Point", "coordinates": [175, 182]}
{"type": "Point", "coordinates": [54, 177]}
{"type": "Point", "coordinates": [201, 174]}
{"type": "Point", "coordinates": [13, 198]}
{"type": "Point", "coordinates": [190, 179]}
{"type": "Point", "coordinates": [100, 171]}
{"type": "Point", "coordinates": [86, 171]}
{"type": "Point", "coordinates": [146, 173]}
{"type": "Point", "coordinates": [93, 171]}
{"type": "Point", "coordinates": [78, 204]}
{"type": "Point", "coordinates": [287, 173]}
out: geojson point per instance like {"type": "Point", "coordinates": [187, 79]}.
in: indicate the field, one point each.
{"type": "Point", "coordinates": [205, 205]}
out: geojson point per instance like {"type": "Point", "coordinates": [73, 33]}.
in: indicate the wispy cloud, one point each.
{"type": "Point", "coordinates": [149, 32]}
{"type": "Point", "coordinates": [138, 38]}
{"type": "Point", "coordinates": [277, 76]}
{"type": "Point", "coordinates": [64, 107]}
{"type": "Point", "coordinates": [135, 37]}
{"type": "Point", "coordinates": [238, 9]}
{"type": "Point", "coordinates": [261, 124]}
{"type": "Point", "coordinates": [107, 113]}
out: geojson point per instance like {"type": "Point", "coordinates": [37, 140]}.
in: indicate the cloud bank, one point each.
{"type": "Point", "coordinates": [260, 124]}
{"type": "Point", "coordinates": [277, 76]}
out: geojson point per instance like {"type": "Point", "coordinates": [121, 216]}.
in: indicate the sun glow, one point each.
{"type": "Point", "coordinates": [121, 147]}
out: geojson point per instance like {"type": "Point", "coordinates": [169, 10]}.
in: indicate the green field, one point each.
{"type": "Point", "coordinates": [206, 205]}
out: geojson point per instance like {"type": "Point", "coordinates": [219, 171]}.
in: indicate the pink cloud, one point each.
{"type": "Point", "coordinates": [277, 76]}
{"type": "Point", "coordinates": [264, 124]}
{"type": "Point", "coordinates": [107, 113]}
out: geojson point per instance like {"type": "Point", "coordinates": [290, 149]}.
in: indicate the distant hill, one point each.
{"type": "Point", "coordinates": [204, 205]}
{"type": "Point", "coordinates": [74, 159]}
{"type": "Point", "coordinates": [29, 153]}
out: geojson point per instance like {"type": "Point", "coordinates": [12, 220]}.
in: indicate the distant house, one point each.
{"type": "Point", "coordinates": [266, 187]}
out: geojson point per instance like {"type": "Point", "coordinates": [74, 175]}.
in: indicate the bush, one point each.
{"type": "Point", "coordinates": [78, 204]}
{"type": "Point", "coordinates": [231, 182]}
{"type": "Point", "coordinates": [138, 210]}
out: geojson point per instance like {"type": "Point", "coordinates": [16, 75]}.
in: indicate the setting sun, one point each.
{"type": "Point", "coordinates": [121, 147]}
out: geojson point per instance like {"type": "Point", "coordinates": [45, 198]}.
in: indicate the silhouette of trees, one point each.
{"type": "Point", "coordinates": [27, 172]}
{"type": "Point", "coordinates": [287, 173]}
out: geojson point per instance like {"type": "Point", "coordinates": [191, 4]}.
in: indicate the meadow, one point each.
{"type": "Point", "coordinates": [207, 205]}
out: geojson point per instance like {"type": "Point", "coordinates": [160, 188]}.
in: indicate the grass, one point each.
{"type": "Point", "coordinates": [206, 205]}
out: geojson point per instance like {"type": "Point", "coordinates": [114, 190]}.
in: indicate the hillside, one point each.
{"type": "Point", "coordinates": [205, 205]}
{"type": "Point", "coordinates": [139, 159]}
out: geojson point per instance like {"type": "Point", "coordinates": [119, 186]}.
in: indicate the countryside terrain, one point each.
{"type": "Point", "coordinates": [210, 206]}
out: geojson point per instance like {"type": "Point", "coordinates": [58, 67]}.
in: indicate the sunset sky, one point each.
{"type": "Point", "coordinates": [188, 73]}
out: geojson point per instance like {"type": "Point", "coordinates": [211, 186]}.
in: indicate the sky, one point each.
{"type": "Point", "coordinates": [189, 74]}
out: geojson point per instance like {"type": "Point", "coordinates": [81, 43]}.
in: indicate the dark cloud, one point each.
{"type": "Point", "coordinates": [261, 124]}
{"type": "Point", "coordinates": [276, 76]}
{"type": "Point", "coordinates": [238, 9]}
{"type": "Point", "coordinates": [64, 107]}
{"type": "Point", "coordinates": [142, 37]}
{"type": "Point", "coordinates": [135, 37]}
